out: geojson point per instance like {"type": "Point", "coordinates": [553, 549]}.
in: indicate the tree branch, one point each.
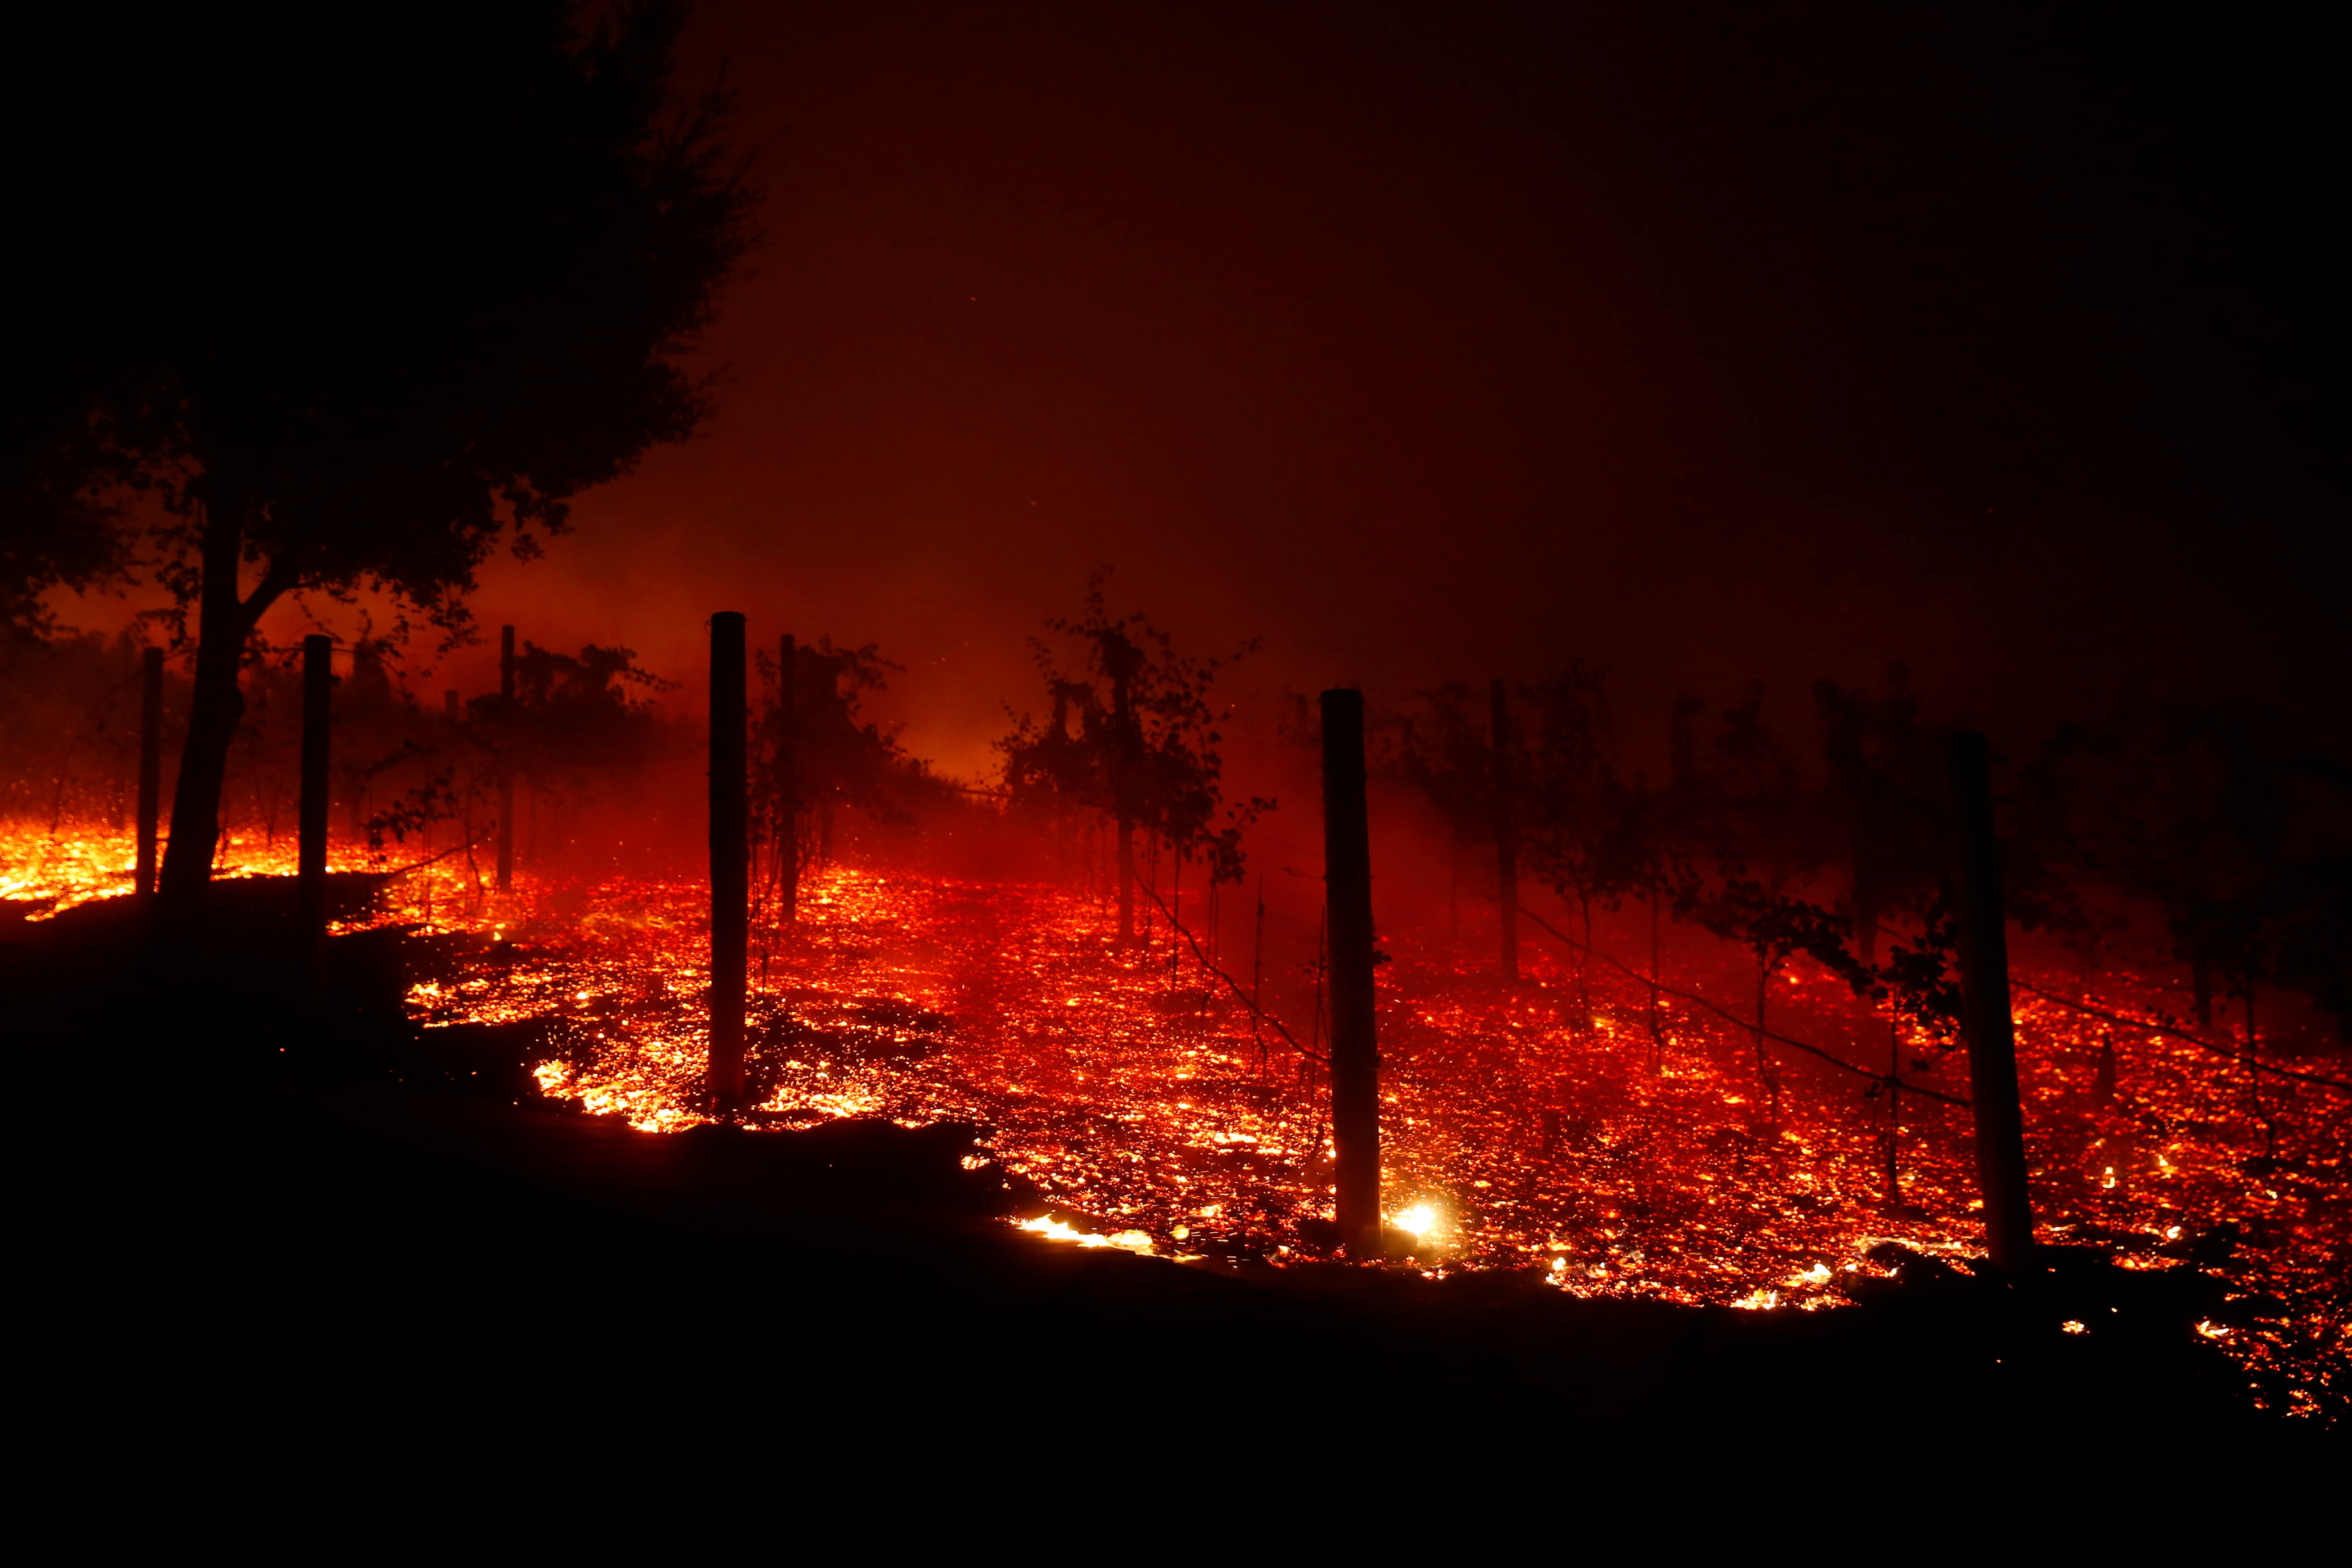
{"type": "Point", "coordinates": [275, 584]}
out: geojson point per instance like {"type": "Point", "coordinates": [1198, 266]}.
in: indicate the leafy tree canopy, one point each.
{"type": "Point", "coordinates": [381, 285]}
{"type": "Point", "coordinates": [358, 294]}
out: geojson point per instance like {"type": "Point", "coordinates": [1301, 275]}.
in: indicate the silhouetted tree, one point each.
{"type": "Point", "coordinates": [576, 724]}
{"type": "Point", "coordinates": [841, 759]}
{"type": "Point", "coordinates": [1748, 804]}
{"type": "Point", "coordinates": [1048, 778]}
{"type": "Point", "coordinates": [363, 297]}
{"type": "Point", "coordinates": [57, 529]}
{"type": "Point", "coordinates": [1636, 855]}
{"type": "Point", "coordinates": [1443, 745]}
{"type": "Point", "coordinates": [1145, 755]}
{"type": "Point", "coordinates": [2235, 830]}
{"type": "Point", "coordinates": [61, 467]}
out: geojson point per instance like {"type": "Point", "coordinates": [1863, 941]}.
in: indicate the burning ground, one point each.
{"type": "Point", "coordinates": [1133, 1099]}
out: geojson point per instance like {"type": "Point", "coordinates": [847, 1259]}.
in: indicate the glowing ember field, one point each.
{"type": "Point", "coordinates": [1517, 1133]}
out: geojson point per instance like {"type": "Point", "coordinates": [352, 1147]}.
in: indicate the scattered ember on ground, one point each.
{"type": "Point", "coordinates": [1524, 1128]}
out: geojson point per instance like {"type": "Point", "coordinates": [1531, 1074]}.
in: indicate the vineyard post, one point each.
{"type": "Point", "coordinates": [151, 762]}
{"type": "Point", "coordinates": [1507, 843]}
{"type": "Point", "coordinates": [506, 764]}
{"type": "Point", "coordinates": [1122, 723]}
{"type": "Point", "coordinates": [731, 859]}
{"type": "Point", "coordinates": [788, 802]}
{"type": "Point", "coordinates": [1355, 1049]}
{"type": "Point", "coordinates": [1984, 1011]}
{"type": "Point", "coordinates": [311, 862]}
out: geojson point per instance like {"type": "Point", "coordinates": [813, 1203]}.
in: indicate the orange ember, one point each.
{"type": "Point", "coordinates": [1522, 1128]}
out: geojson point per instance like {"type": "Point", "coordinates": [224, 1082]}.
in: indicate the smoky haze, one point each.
{"type": "Point", "coordinates": [1441, 344]}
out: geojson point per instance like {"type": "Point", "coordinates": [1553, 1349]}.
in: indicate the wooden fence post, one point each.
{"type": "Point", "coordinates": [318, 710]}
{"type": "Point", "coordinates": [731, 859]}
{"type": "Point", "coordinates": [788, 782]}
{"type": "Point", "coordinates": [1506, 840]}
{"type": "Point", "coordinates": [1984, 1011]}
{"type": "Point", "coordinates": [150, 763]}
{"type": "Point", "coordinates": [1355, 1047]}
{"type": "Point", "coordinates": [506, 764]}
{"type": "Point", "coordinates": [1122, 724]}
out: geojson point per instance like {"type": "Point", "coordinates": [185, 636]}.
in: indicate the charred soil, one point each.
{"type": "Point", "coordinates": [301, 1202]}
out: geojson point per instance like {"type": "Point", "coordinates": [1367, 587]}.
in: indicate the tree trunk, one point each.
{"type": "Point", "coordinates": [1355, 1049]}
{"type": "Point", "coordinates": [788, 808]}
{"type": "Point", "coordinates": [1984, 1011]}
{"type": "Point", "coordinates": [215, 707]}
{"type": "Point", "coordinates": [1507, 845]}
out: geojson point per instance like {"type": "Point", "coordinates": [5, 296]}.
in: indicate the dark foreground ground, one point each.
{"type": "Point", "coordinates": [282, 1236]}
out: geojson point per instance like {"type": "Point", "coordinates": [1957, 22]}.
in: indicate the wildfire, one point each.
{"type": "Point", "coordinates": [1054, 1229]}
{"type": "Point", "coordinates": [1520, 1130]}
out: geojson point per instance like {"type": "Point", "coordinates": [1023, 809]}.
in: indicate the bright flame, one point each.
{"type": "Point", "coordinates": [1420, 1220]}
{"type": "Point", "coordinates": [1054, 1229]}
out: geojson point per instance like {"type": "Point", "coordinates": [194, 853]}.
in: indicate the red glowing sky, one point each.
{"type": "Point", "coordinates": [1427, 344]}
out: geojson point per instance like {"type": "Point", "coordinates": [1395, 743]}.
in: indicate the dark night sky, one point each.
{"type": "Point", "coordinates": [1436, 340]}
